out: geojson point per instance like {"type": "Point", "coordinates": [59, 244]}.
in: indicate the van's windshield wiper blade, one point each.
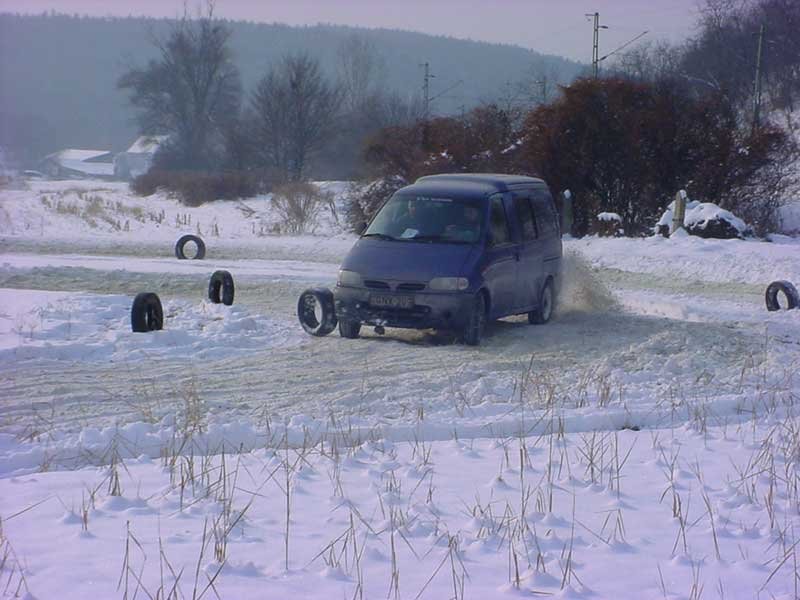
{"type": "Point", "coordinates": [381, 236]}
{"type": "Point", "coordinates": [436, 238]}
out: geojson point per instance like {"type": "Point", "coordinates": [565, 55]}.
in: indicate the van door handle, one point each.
{"type": "Point", "coordinates": [516, 255]}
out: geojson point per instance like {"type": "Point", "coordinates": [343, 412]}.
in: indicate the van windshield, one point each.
{"type": "Point", "coordinates": [408, 217]}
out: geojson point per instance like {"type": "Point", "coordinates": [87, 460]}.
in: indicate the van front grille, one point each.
{"type": "Point", "coordinates": [410, 287]}
{"type": "Point", "coordinates": [376, 285]}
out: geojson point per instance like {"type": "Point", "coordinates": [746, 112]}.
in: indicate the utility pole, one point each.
{"type": "Point", "coordinates": [542, 89]}
{"type": "Point", "coordinates": [757, 83]}
{"type": "Point", "coordinates": [508, 99]}
{"type": "Point", "coordinates": [426, 98]}
{"type": "Point", "coordinates": [426, 89]}
{"type": "Point", "coordinates": [596, 42]}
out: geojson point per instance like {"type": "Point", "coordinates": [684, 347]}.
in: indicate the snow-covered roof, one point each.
{"type": "Point", "coordinates": [77, 154]}
{"type": "Point", "coordinates": [90, 168]}
{"type": "Point", "coordinates": [147, 144]}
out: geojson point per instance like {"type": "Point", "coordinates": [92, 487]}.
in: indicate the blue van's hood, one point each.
{"type": "Point", "coordinates": [408, 261]}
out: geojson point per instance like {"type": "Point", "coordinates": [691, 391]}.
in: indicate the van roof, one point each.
{"type": "Point", "coordinates": [470, 185]}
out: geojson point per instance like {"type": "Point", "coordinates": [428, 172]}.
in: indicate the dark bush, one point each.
{"type": "Point", "coordinates": [193, 188]}
{"type": "Point", "coordinates": [619, 146]}
{"type": "Point", "coordinates": [627, 147]}
{"type": "Point", "coordinates": [365, 200]}
{"type": "Point", "coordinates": [484, 140]}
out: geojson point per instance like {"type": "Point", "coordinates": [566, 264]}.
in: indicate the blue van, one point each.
{"type": "Point", "coordinates": [450, 252]}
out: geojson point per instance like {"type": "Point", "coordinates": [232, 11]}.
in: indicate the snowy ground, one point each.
{"type": "Point", "coordinates": [649, 430]}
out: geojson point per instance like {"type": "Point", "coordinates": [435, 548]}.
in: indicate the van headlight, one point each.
{"type": "Point", "coordinates": [449, 284]}
{"type": "Point", "coordinates": [349, 279]}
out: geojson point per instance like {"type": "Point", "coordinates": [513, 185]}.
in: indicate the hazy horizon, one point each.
{"type": "Point", "coordinates": [551, 28]}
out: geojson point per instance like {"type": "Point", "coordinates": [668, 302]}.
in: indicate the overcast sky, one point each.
{"type": "Point", "coordinates": [549, 26]}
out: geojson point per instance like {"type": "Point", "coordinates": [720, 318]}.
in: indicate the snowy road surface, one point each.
{"type": "Point", "coordinates": [73, 362]}
{"type": "Point", "coordinates": [644, 444]}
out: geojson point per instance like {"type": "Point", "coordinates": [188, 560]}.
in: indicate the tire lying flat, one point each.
{"type": "Point", "coordinates": [185, 239]}
{"type": "Point", "coordinates": [146, 313]}
{"type": "Point", "coordinates": [788, 290]}
{"type": "Point", "coordinates": [306, 311]}
{"type": "Point", "coordinates": [221, 288]}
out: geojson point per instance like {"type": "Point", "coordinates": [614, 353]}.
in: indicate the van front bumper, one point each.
{"type": "Point", "coordinates": [429, 311]}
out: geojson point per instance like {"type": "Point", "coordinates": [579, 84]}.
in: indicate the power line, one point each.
{"type": "Point", "coordinates": [625, 45]}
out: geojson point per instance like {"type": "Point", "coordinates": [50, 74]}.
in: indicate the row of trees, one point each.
{"type": "Point", "coordinates": [192, 92]}
{"type": "Point", "coordinates": [666, 118]}
{"type": "Point", "coordinates": [663, 118]}
{"type": "Point", "coordinates": [723, 57]}
{"type": "Point", "coordinates": [617, 145]}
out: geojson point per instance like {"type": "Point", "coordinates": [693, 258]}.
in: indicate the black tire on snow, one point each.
{"type": "Point", "coordinates": [774, 288]}
{"type": "Point", "coordinates": [547, 301]}
{"type": "Point", "coordinates": [220, 288]}
{"type": "Point", "coordinates": [185, 239]}
{"type": "Point", "coordinates": [349, 329]}
{"type": "Point", "coordinates": [476, 322]}
{"type": "Point", "coordinates": [306, 304]}
{"type": "Point", "coordinates": [146, 313]}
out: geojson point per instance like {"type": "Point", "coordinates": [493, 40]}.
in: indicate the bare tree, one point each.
{"type": "Point", "coordinates": [782, 50]}
{"type": "Point", "coordinates": [390, 109]}
{"type": "Point", "coordinates": [191, 92]}
{"type": "Point", "coordinates": [649, 61]}
{"type": "Point", "coordinates": [294, 111]}
{"type": "Point", "coordinates": [361, 71]}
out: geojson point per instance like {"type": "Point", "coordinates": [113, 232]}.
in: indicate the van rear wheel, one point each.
{"type": "Point", "coordinates": [542, 313]}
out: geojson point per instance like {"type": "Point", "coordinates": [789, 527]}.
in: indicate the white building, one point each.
{"type": "Point", "coordinates": [138, 158]}
{"type": "Point", "coordinates": [74, 163]}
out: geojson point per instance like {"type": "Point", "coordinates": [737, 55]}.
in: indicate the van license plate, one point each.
{"type": "Point", "coordinates": [387, 301]}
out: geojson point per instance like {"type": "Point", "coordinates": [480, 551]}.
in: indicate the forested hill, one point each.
{"type": "Point", "coordinates": [58, 73]}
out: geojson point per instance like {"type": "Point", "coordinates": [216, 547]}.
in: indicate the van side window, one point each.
{"type": "Point", "coordinates": [544, 212]}
{"type": "Point", "coordinates": [498, 222]}
{"type": "Point", "coordinates": [522, 206]}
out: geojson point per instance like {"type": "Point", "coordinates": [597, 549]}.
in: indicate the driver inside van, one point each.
{"type": "Point", "coordinates": [407, 223]}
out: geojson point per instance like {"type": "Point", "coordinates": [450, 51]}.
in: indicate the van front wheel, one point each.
{"type": "Point", "coordinates": [349, 329]}
{"type": "Point", "coordinates": [476, 323]}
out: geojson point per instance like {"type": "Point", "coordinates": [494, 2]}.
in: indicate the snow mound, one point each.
{"type": "Point", "coordinates": [706, 220]}
{"type": "Point", "coordinates": [710, 221]}
{"type": "Point", "coordinates": [61, 326]}
{"type": "Point", "coordinates": [609, 216]}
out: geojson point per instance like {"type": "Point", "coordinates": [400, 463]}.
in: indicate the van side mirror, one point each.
{"type": "Point", "coordinates": [361, 227]}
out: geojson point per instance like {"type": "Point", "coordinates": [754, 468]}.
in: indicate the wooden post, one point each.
{"type": "Point", "coordinates": [678, 211]}
{"type": "Point", "coordinates": [567, 214]}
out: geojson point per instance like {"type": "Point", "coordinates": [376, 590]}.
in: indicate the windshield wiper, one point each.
{"type": "Point", "coordinates": [436, 238]}
{"type": "Point", "coordinates": [380, 236]}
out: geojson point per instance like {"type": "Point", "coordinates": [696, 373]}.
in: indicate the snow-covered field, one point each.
{"type": "Point", "coordinates": [643, 445]}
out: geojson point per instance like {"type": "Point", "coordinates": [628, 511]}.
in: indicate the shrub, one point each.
{"type": "Point", "coordinates": [365, 200]}
{"type": "Point", "coordinates": [483, 140]}
{"type": "Point", "coordinates": [298, 205]}
{"type": "Point", "coordinates": [193, 188]}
